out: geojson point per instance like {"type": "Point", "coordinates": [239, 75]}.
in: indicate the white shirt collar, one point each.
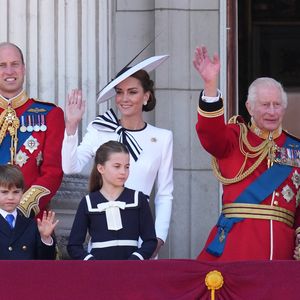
{"type": "Point", "coordinates": [4, 213]}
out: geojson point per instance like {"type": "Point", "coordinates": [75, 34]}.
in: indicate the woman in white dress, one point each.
{"type": "Point", "coordinates": [150, 147]}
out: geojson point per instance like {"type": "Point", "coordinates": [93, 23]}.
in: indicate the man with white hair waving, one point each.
{"type": "Point", "coordinates": [258, 166]}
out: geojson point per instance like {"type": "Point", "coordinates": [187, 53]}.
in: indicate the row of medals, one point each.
{"type": "Point", "coordinates": [33, 124]}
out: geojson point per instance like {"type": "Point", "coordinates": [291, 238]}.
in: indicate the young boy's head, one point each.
{"type": "Point", "coordinates": [11, 187]}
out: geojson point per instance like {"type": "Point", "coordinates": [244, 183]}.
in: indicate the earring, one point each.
{"type": "Point", "coordinates": [145, 102]}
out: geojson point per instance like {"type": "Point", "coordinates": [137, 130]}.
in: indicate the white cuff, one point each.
{"type": "Point", "coordinates": [138, 255]}
{"type": "Point", "coordinates": [88, 257]}
{"type": "Point", "coordinates": [48, 244]}
{"type": "Point", "coordinates": [211, 99]}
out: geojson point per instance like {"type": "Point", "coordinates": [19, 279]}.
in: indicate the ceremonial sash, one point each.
{"type": "Point", "coordinates": [255, 193]}
{"type": "Point", "coordinates": [34, 108]}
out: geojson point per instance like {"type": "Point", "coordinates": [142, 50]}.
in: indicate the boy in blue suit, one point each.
{"type": "Point", "coordinates": [22, 238]}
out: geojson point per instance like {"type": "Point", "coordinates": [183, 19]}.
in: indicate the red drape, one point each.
{"type": "Point", "coordinates": [156, 279]}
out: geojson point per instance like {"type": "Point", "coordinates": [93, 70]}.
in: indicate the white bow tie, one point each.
{"type": "Point", "coordinates": [112, 213]}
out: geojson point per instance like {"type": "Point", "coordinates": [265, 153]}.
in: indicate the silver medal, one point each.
{"type": "Point", "coordinates": [43, 126]}
{"type": "Point", "coordinates": [23, 127]}
{"type": "Point", "coordinates": [29, 127]}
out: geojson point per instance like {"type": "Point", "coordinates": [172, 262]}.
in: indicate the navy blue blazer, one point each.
{"type": "Point", "coordinates": [23, 241]}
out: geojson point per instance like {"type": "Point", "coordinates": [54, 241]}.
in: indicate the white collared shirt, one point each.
{"type": "Point", "coordinates": [4, 213]}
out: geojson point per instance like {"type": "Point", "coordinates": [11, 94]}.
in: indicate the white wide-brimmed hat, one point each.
{"type": "Point", "coordinates": [148, 65]}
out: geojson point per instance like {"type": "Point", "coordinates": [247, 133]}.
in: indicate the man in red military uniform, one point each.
{"type": "Point", "coordinates": [31, 133]}
{"type": "Point", "coordinates": [258, 165]}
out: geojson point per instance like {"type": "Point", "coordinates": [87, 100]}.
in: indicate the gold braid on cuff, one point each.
{"type": "Point", "coordinates": [31, 198]}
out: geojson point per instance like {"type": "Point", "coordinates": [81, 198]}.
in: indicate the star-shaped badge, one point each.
{"type": "Point", "coordinates": [296, 179]}
{"type": "Point", "coordinates": [31, 144]}
{"type": "Point", "coordinates": [287, 193]}
{"type": "Point", "coordinates": [21, 158]}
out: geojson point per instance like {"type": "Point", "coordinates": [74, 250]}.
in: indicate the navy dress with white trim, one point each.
{"type": "Point", "coordinates": [118, 244]}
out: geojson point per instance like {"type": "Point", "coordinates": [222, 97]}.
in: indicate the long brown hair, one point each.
{"type": "Point", "coordinates": [102, 155]}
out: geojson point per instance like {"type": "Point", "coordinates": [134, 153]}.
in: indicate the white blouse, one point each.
{"type": "Point", "coordinates": [154, 163]}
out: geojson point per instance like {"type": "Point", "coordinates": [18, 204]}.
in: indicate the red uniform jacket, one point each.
{"type": "Point", "coordinates": [38, 151]}
{"type": "Point", "coordinates": [250, 238]}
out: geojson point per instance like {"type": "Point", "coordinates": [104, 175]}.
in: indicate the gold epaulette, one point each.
{"type": "Point", "coordinates": [31, 198]}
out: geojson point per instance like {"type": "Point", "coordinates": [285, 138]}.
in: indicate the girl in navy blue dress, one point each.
{"type": "Point", "coordinates": [114, 216]}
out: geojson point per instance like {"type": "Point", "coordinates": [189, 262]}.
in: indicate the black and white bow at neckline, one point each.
{"type": "Point", "coordinates": [110, 122]}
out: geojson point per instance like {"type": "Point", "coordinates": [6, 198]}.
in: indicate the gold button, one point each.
{"type": "Point", "coordinates": [276, 194]}
{"type": "Point", "coordinates": [24, 248]}
{"type": "Point", "coordinates": [10, 248]}
{"type": "Point", "coordinates": [275, 202]}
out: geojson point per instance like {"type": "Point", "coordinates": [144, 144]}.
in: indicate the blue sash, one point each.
{"type": "Point", "coordinates": [22, 136]}
{"type": "Point", "coordinates": [255, 193]}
